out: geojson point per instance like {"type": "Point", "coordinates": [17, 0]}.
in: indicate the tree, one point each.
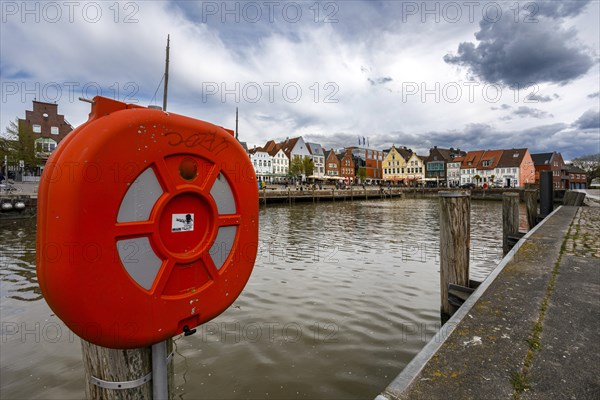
{"type": "Point", "coordinates": [308, 166]}
{"type": "Point", "coordinates": [477, 178]}
{"type": "Point", "coordinates": [21, 144]}
{"type": "Point", "coordinates": [588, 163]}
{"type": "Point", "coordinates": [296, 166]}
{"type": "Point", "coordinates": [362, 173]}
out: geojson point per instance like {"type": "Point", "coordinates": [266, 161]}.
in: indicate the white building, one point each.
{"type": "Point", "coordinates": [262, 163]}
{"type": "Point", "coordinates": [453, 172]}
{"type": "Point", "coordinates": [318, 158]}
{"type": "Point", "coordinates": [281, 165]}
{"type": "Point", "coordinates": [415, 168]}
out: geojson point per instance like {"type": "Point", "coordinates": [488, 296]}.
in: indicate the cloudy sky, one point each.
{"type": "Point", "coordinates": [476, 75]}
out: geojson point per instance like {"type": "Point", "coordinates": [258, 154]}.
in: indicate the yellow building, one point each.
{"type": "Point", "coordinates": [394, 164]}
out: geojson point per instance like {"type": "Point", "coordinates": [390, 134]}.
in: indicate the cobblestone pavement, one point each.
{"type": "Point", "coordinates": [583, 239]}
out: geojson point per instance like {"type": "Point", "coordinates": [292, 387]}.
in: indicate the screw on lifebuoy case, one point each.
{"type": "Point", "coordinates": [147, 224]}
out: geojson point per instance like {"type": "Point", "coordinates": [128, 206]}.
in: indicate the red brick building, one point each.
{"type": "Point", "coordinates": [49, 127]}
{"type": "Point", "coordinates": [577, 177]}
{"type": "Point", "coordinates": [369, 159]}
{"type": "Point", "coordinates": [347, 165]}
{"type": "Point", "coordinates": [332, 164]}
{"type": "Point", "coordinates": [551, 162]}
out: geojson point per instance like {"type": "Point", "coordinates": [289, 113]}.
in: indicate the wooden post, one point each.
{"type": "Point", "coordinates": [532, 207]}
{"type": "Point", "coordinates": [265, 196]}
{"type": "Point", "coordinates": [313, 195]}
{"type": "Point", "coordinates": [289, 197]}
{"type": "Point", "coordinates": [455, 243]}
{"type": "Point", "coordinates": [120, 366]}
{"type": "Point", "coordinates": [351, 194]}
{"type": "Point", "coordinates": [333, 194]}
{"type": "Point", "coordinates": [510, 218]}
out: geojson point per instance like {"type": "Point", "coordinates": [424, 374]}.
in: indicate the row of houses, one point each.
{"type": "Point", "coordinates": [274, 162]}
{"type": "Point", "coordinates": [402, 166]}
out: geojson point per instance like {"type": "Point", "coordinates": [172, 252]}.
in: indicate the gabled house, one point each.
{"type": "Point", "coordinates": [394, 164]}
{"type": "Point", "coordinates": [486, 169]}
{"type": "Point", "coordinates": [415, 170]}
{"type": "Point", "coordinates": [48, 127]}
{"type": "Point", "coordinates": [280, 163]}
{"type": "Point", "coordinates": [332, 164]}
{"type": "Point", "coordinates": [453, 171]}
{"type": "Point", "coordinates": [551, 162]}
{"type": "Point", "coordinates": [504, 168]}
{"type": "Point", "coordinates": [318, 158]}
{"type": "Point", "coordinates": [346, 164]}
{"type": "Point", "coordinates": [436, 164]}
{"type": "Point", "coordinates": [262, 162]}
{"type": "Point", "coordinates": [468, 168]}
{"type": "Point", "coordinates": [577, 177]}
{"type": "Point", "coordinates": [295, 148]}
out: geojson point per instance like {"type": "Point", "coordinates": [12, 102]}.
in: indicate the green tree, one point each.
{"type": "Point", "coordinates": [477, 178]}
{"type": "Point", "coordinates": [22, 144]}
{"type": "Point", "coordinates": [296, 166]}
{"type": "Point", "coordinates": [308, 166]}
{"type": "Point", "coordinates": [362, 173]}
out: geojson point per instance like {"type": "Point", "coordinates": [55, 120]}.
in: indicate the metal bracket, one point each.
{"type": "Point", "coordinates": [127, 384]}
{"type": "Point", "coordinates": [121, 385]}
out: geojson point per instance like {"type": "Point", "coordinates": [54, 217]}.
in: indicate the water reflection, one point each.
{"type": "Point", "coordinates": [343, 295]}
{"type": "Point", "coordinates": [17, 257]}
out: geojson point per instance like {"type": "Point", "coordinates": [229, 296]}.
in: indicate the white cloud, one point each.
{"type": "Point", "coordinates": [327, 61]}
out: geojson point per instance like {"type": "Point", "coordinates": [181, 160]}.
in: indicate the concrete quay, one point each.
{"type": "Point", "coordinates": [530, 331]}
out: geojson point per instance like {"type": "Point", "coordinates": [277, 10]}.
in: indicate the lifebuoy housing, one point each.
{"type": "Point", "coordinates": [147, 225]}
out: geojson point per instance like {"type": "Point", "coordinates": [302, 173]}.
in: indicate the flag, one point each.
{"type": "Point", "coordinates": [359, 140]}
{"type": "Point", "coordinates": [363, 140]}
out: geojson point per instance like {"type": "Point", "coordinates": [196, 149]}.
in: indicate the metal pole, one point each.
{"type": "Point", "coordinates": [546, 193]}
{"type": "Point", "coordinates": [160, 384]}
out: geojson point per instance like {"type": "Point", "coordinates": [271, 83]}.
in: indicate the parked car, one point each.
{"type": "Point", "coordinates": [467, 186]}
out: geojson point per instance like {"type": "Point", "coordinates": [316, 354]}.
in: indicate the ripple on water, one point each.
{"type": "Point", "coordinates": [342, 296]}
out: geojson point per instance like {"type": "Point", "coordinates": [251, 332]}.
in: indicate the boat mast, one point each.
{"type": "Point", "coordinates": [166, 76]}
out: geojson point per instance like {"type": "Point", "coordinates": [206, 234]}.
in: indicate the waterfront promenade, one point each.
{"type": "Point", "coordinates": [532, 333]}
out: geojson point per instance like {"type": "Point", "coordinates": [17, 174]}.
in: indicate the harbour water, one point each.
{"type": "Point", "coordinates": [342, 296]}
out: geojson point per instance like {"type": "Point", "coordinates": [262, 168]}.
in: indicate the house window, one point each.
{"type": "Point", "coordinates": [37, 129]}
{"type": "Point", "coordinates": [54, 130]}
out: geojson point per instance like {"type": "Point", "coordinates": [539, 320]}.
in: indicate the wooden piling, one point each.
{"type": "Point", "coordinates": [114, 365]}
{"type": "Point", "coordinates": [333, 195]}
{"type": "Point", "coordinates": [455, 243]}
{"type": "Point", "coordinates": [265, 196]}
{"type": "Point", "coordinates": [351, 193]}
{"type": "Point", "coordinates": [289, 196]}
{"type": "Point", "coordinates": [510, 218]}
{"type": "Point", "coordinates": [531, 206]}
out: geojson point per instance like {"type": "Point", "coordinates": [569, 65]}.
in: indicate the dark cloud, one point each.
{"type": "Point", "coordinates": [502, 107]}
{"type": "Point", "coordinates": [380, 81]}
{"type": "Point", "coordinates": [524, 111]}
{"type": "Point", "coordinates": [513, 52]}
{"type": "Point", "coordinates": [544, 138]}
{"type": "Point", "coordinates": [593, 95]}
{"type": "Point", "coordinates": [538, 98]}
{"type": "Point", "coordinates": [589, 120]}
